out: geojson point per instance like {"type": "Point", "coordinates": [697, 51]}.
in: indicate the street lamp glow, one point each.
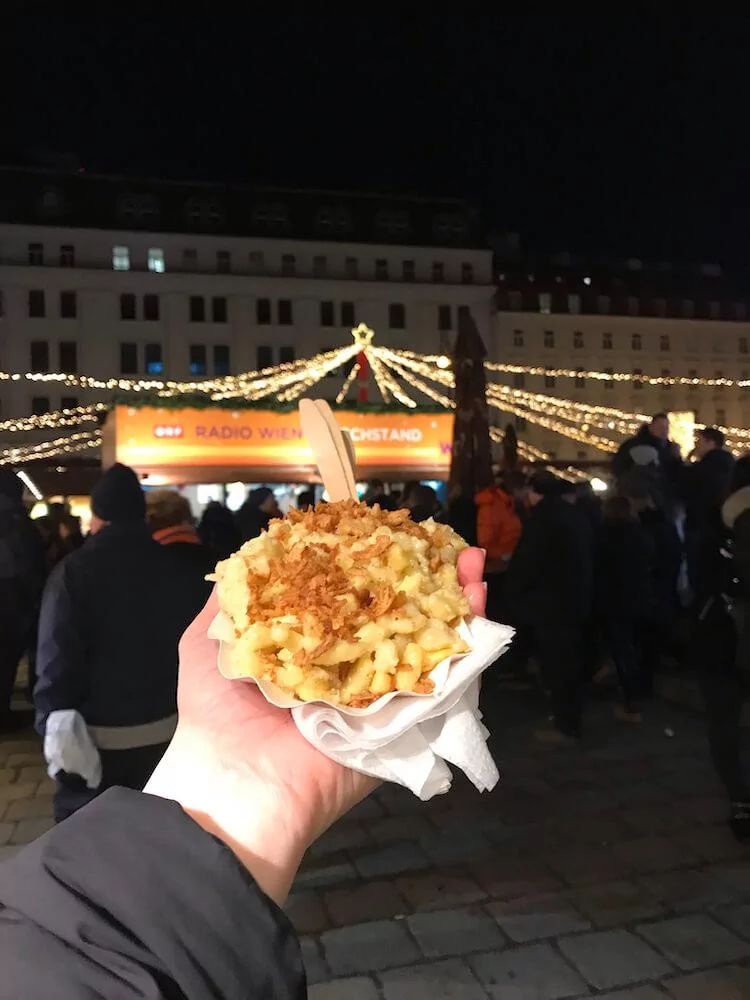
{"type": "Point", "coordinates": [598, 485]}
{"type": "Point", "coordinates": [443, 362]}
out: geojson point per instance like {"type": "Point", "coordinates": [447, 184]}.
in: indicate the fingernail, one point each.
{"type": "Point", "coordinates": [484, 552]}
{"type": "Point", "coordinates": [484, 584]}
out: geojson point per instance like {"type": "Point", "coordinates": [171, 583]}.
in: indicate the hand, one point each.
{"type": "Point", "coordinates": [243, 771]}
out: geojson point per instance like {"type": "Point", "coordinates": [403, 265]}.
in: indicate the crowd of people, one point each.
{"type": "Point", "coordinates": [587, 584]}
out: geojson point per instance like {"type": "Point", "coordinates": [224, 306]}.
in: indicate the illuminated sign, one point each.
{"type": "Point", "coordinates": [151, 438]}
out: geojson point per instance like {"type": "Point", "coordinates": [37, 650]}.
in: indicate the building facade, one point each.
{"type": "Point", "coordinates": [119, 277]}
{"type": "Point", "coordinates": [627, 317]}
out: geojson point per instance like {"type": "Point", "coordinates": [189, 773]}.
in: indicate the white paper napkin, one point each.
{"type": "Point", "coordinates": [411, 740]}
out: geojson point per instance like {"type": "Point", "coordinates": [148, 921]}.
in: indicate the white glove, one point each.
{"type": "Point", "coordinates": [68, 747]}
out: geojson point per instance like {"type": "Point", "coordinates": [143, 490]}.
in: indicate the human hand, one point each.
{"type": "Point", "coordinates": [241, 768]}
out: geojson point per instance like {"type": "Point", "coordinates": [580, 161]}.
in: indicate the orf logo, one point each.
{"type": "Point", "coordinates": [168, 431]}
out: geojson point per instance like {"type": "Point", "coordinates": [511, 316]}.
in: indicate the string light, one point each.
{"type": "Point", "coordinates": [58, 418]}
{"type": "Point", "coordinates": [48, 449]}
{"type": "Point", "coordinates": [685, 380]}
{"type": "Point", "coordinates": [348, 382]}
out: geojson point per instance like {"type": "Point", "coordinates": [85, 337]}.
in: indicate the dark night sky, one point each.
{"type": "Point", "coordinates": [615, 136]}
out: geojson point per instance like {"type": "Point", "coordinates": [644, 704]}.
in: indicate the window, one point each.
{"type": "Point", "coordinates": [197, 309]}
{"type": "Point", "coordinates": [151, 307]}
{"type": "Point", "coordinates": [120, 258]}
{"type": "Point", "coordinates": [68, 305]}
{"type": "Point", "coordinates": [518, 338]}
{"type": "Point", "coordinates": [198, 363]}
{"type": "Point", "coordinates": [693, 373]}
{"type": "Point", "coordinates": [397, 316]}
{"type": "Point", "coordinates": [320, 266]}
{"type": "Point", "coordinates": [263, 312]}
{"type": "Point", "coordinates": [219, 309]}
{"type": "Point", "coordinates": [545, 303]}
{"type": "Point", "coordinates": [665, 373]}
{"type": "Point", "coordinates": [549, 338]}
{"type": "Point", "coordinates": [288, 264]}
{"type": "Point", "coordinates": [127, 306]}
{"type": "Point", "coordinates": [67, 255]}
{"type": "Point", "coordinates": [550, 381]}
{"type": "Point", "coordinates": [581, 453]}
{"type": "Point", "coordinates": [577, 339]}
{"type": "Point", "coordinates": [284, 309]}
{"type": "Point", "coordinates": [445, 320]}
{"type": "Point", "coordinates": [263, 357]}
{"type": "Point", "coordinates": [606, 341]}
{"type": "Point", "coordinates": [153, 359]}
{"type": "Point", "coordinates": [351, 267]}
{"type": "Point", "coordinates": [223, 261]}
{"type": "Point", "coordinates": [717, 375]}
{"type": "Point", "coordinates": [721, 416]}
{"type": "Point", "coordinates": [520, 423]}
{"type": "Point", "coordinates": [637, 382]}
{"type": "Point", "coordinates": [156, 260]}
{"type": "Point", "coordinates": [221, 359]}
{"type": "Point", "coordinates": [256, 262]}
{"type": "Point", "coordinates": [36, 304]}
{"type": "Point", "coordinates": [286, 355]}
{"type": "Point", "coordinates": [664, 342]}
{"type": "Point", "coordinates": [602, 304]}
{"type": "Point", "coordinates": [190, 259]}
{"type": "Point", "coordinates": [579, 381]}
{"type": "Point", "coordinates": [610, 382]}
{"type": "Point", "coordinates": [519, 380]}
{"type": "Point", "coordinates": [381, 269]}
{"type": "Point", "coordinates": [742, 345]}
{"type": "Point", "coordinates": [438, 271]}
{"type": "Point", "coordinates": [347, 314]}
{"type": "Point", "coordinates": [633, 305]}
{"type": "Point", "coordinates": [68, 356]}
{"type": "Point", "coordinates": [326, 314]}
{"type": "Point", "coordinates": [36, 254]}
{"type": "Point", "coordinates": [39, 405]}
{"type": "Point", "coordinates": [68, 402]}
{"type": "Point", "coordinates": [408, 270]}
{"type": "Point", "coordinates": [39, 356]}
{"type": "Point", "coordinates": [128, 359]}
{"type": "Point", "coordinates": [467, 274]}
{"type": "Point", "coordinates": [574, 304]}
{"type": "Point", "coordinates": [636, 342]}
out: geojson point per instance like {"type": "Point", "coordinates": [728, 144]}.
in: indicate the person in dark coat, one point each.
{"type": "Point", "coordinates": [624, 597]}
{"type": "Point", "coordinates": [112, 615]}
{"type": "Point", "coordinates": [548, 593]}
{"type": "Point", "coordinates": [218, 531]}
{"type": "Point", "coordinates": [650, 455]}
{"type": "Point", "coordinates": [177, 893]}
{"type": "Point", "coordinates": [256, 513]}
{"type": "Point", "coordinates": [705, 487]}
{"type": "Point", "coordinates": [170, 521]}
{"type": "Point", "coordinates": [21, 581]}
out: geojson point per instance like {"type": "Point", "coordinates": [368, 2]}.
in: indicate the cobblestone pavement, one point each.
{"type": "Point", "coordinates": [603, 870]}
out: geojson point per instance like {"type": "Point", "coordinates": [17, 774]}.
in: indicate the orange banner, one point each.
{"type": "Point", "coordinates": [148, 437]}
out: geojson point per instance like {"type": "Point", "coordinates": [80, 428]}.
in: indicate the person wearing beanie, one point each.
{"type": "Point", "coordinates": [548, 595]}
{"type": "Point", "coordinates": [112, 616]}
{"type": "Point", "coordinates": [21, 582]}
{"type": "Point", "coordinates": [256, 512]}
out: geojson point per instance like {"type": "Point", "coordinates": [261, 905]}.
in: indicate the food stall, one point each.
{"type": "Point", "coordinates": [222, 445]}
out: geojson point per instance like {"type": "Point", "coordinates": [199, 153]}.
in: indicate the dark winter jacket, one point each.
{"type": "Point", "coordinates": [666, 558]}
{"type": "Point", "coordinates": [22, 568]}
{"type": "Point", "coordinates": [192, 560]}
{"type": "Point", "coordinates": [731, 577]}
{"type": "Point", "coordinates": [112, 615]}
{"type": "Point", "coordinates": [251, 521]}
{"type": "Point", "coordinates": [549, 577]}
{"type": "Point", "coordinates": [652, 464]}
{"type": "Point", "coordinates": [623, 581]}
{"type": "Point", "coordinates": [705, 487]}
{"type": "Point", "coordinates": [130, 898]}
{"type": "Point", "coordinates": [218, 531]}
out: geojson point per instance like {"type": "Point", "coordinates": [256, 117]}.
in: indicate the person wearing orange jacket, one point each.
{"type": "Point", "coordinates": [498, 531]}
